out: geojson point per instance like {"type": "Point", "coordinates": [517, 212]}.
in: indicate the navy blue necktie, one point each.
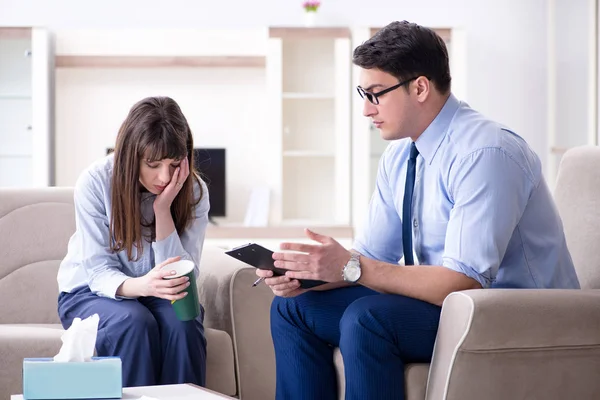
{"type": "Point", "coordinates": [407, 205]}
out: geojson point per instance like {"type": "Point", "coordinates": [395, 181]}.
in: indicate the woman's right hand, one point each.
{"type": "Point", "coordinates": [280, 285]}
{"type": "Point", "coordinates": [154, 284]}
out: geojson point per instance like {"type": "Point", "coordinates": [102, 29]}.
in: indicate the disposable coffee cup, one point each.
{"type": "Point", "coordinates": [187, 308]}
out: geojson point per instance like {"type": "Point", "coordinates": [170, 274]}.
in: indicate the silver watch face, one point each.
{"type": "Point", "coordinates": [352, 272]}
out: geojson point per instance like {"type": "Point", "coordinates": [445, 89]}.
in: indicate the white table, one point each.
{"type": "Point", "coordinates": [164, 392]}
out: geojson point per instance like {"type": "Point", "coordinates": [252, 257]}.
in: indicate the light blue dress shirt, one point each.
{"type": "Point", "coordinates": [89, 260]}
{"type": "Point", "coordinates": [481, 205]}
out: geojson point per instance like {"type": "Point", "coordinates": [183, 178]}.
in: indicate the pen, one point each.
{"type": "Point", "coordinates": [259, 280]}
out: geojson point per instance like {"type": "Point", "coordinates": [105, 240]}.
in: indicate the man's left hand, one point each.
{"type": "Point", "coordinates": [323, 261]}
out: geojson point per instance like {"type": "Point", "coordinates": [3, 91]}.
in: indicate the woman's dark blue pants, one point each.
{"type": "Point", "coordinates": [154, 346]}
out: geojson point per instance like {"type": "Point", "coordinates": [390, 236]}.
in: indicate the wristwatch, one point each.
{"type": "Point", "coordinates": [351, 272]}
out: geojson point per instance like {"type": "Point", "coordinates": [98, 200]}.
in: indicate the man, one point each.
{"type": "Point", "coordinates": [459, 197]}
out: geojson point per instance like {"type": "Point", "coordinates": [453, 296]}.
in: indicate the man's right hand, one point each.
{"type": "Point", "coordinates": [281, 286]}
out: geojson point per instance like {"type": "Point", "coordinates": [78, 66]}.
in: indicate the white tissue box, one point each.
{"type": "Point", "coordinates": [100, 378]}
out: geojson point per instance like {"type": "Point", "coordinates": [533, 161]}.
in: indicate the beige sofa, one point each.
{"type": "Point", "coordinates": [35, 226]}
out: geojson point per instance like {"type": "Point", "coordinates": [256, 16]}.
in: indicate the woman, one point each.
{"type": "Point", "coordinates": [136, 211]}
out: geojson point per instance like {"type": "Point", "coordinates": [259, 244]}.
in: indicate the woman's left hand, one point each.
{"type": "Point", "coordinates": [164, 200]}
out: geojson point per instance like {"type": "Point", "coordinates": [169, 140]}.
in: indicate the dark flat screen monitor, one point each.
{"type": "Point", "coordinates": [210, 163]}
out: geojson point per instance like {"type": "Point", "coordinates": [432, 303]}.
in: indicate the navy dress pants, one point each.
{"type": "Point", "coordinates": [154, 346]}
{"type": "Point", "coordinates": [378, 334]}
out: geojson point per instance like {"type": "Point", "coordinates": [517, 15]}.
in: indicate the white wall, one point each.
{"type": "Point", "coordinates": [572, 79]}
{"type": "Point", "coordinates": [506, 40]}
{"type": "Point", "coordinates": [572, 71]}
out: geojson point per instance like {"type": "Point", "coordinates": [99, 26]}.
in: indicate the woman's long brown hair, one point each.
{"type": "Point", "coordinates": [154, 129]}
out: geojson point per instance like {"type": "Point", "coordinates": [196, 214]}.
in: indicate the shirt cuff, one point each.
{"type": "Point", "coordinates": [364, 251]}
{"type": "Point", "coordinates": [484, 281]}
{"type": "Point", "coordinates": [108, 286]}
{"type": "Point", "coordinates": [361, 249]}
{"type": "Point", "coordinates": [168, 247]}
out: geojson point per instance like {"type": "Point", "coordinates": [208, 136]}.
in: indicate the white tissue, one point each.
{"type": "Point", "coordinates": [79, 341]}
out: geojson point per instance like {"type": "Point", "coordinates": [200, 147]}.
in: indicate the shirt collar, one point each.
{"type": "Point", "coordinates": [431, 138]}
{"type": "Point", "coordinates": [147, 196]}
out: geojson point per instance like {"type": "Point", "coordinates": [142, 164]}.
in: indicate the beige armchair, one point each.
{"type": "Point", "coordinates": [527, 344]}
{"type": "Point", "coordinates": [503, 343]}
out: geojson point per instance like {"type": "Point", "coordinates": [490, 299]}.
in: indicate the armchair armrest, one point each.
{"type": "Point", "coordinates": [517, 344]}
{"type": "Point", "coordinates": [251, 311]}
{"type": "Point", "coordinates": [233, 305]}
{"type": "Point", "coordinates": [216, 272]}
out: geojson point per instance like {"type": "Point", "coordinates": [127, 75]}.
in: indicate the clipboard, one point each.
{"type": "Point", "coordinates": [262, 258]}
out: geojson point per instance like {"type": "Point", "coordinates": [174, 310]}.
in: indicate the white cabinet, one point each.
{"type": "Point", "coordinates": [309, 88]}
{"type": "Point", "coordinates": [25, 118]}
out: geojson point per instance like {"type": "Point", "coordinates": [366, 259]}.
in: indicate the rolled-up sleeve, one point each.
{"type": "Point", "coordinates": [190, 243]}
{"type": "Point", "coordinates": [101, 264]}
{"type": "Point", "coordinates": [490, 190]}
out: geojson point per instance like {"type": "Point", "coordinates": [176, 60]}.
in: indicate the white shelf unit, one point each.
{"type": "Point", "coordinates": [25, 107]}
{"type": "Point", "coordinates": [308, 84]}
{"type": "Point", "coordinates": [367, 144]}
{"type": "Point", "coordinates": [217, 76]}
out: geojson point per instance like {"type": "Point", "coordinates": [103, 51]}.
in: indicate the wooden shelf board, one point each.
{"type": "Point", "coordinates": [15, 33]}
{"type": "Point", "coordinates": [558, 150]}
{"type": "Point", "coordinates": [76, 61]}
{"type": "Point", "coordinates": [307, 153]}
{"type": "Point", "coordinates": [445, 33]}
{"type": "Point", "coordinates": [307, 96]}
{"type": "Point", "coordinates": [309, 33]}
{"type": "Point", "coordinates": [277, 232]}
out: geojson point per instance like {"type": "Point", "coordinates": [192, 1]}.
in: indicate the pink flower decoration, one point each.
{"type": "Point", "coordinates": [311, 5]}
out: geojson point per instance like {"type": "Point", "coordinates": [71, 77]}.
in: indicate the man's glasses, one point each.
{"type": "Point", "coordinates": [374, 97]}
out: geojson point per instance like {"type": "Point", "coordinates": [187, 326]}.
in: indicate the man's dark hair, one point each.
{"type": "Point", "coordinates": [406, 50]}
